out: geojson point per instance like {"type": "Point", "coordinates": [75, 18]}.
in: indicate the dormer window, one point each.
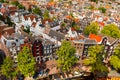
{"type": "Point", "coordinates": [73, 32]}
{"type": "Point", "coordinates": [16, 40]}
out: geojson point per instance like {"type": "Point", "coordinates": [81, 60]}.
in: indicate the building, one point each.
{"type": "Point", "coordinates": [14, 49]}
{"type": "Point", "coordinates": [79, 46]}
{"type": "Point", "coordinates": [110, 45]}
{"type": "Point", "coordinates": [87, 44]}
{"type": "Point", "coordinates": [37, 50]}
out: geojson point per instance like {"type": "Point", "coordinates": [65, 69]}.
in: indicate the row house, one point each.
{"type": "Point", "coordinates": [37, 50]}
{"type": "Point", "coordinates": [79, 46]}
{"type": "Point", "coordinates": [27, 20]}
{"type": "Point", "coordinates": [14, 49]}
{"type": "Point", "coordinates": [110, 45]}
{"type": "Point", "coordinates": [36, 46]}
{"type": "Point", "coordinates": [36, 28]}
{"type": "Point", "coordinates": [42, 49]}
{"type": "Point", "coordinates": [82, 44]}
{"type": "Point", "coordinates": [13, 43]}
{"type": "Point", "coordinates": [87, 44]}
{"type": "Point", "coordinates": [109, 42]}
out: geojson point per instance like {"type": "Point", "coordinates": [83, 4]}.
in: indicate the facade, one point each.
{"type": "Point", "coordinates": [79, 46]}
{"type": "Point", "coordinates": [110, 45]}
{"type": "Point", "coordinates": [37, 50]}
{"type": "Point", "coordinates": [87, 44]}
{"type": "Point", "coordinates": [14, 51]}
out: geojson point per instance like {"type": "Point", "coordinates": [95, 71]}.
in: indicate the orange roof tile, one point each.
{"type": "Point", "coordinates": [97, 38]}
{"type": "Point", "coordinates": [3, 10]}
{"type": "Point", "coordinates": [31, 16]}
{"type": "Point", "coordinates": [12, 13]}
{"type": "Point", "coordinates": [51, 3]}
{"type": "Point", "coordinates": [77, 20]}
{"type": "Point", "coordinates": [69, 17]}
{"type": "Point", "coordinates": [102, 24]}
{"type": "Point", "coordinates": [71, 38]}
{"type": "Point", "coordinates": [34, 24]}
{"type": "Point", "coordinates": [12, 8]}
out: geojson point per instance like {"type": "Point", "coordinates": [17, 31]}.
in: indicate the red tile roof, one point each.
{"type": "Point", "coordinates": [31, 16]}
{"type": "Point", "coordinates": [34, 24]}
{"type": "Point", "coordinates": [9, 30]}
{"type": "Point", "coordinates": [26, 45]}
{"type": "Point", "coordinates": [12, 8]}
{"type": "Point", "coordinates": [3, 10]}
{"type": "Point", "coordinates": [102, 24]}
{"type": "Point", "coordinates": [51, 3]}
{"type": "Point", "coordinates": [96, 37]}
{"type": "Point", "coordinates": [12, 13]}
{"type": "Point", "coordinates": [69, 17]}
{"type": "Point", "coordinates": [1, 30]}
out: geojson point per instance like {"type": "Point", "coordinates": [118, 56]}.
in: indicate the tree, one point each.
{"type": "Point", "coordinates": [95, 59]}
{"type": "Point", "coordinates": [16, 3]}
{"type": "Point", "coordinates": [20, 6]}
{"type": "Point", "coordinates": [111, 30]}
{"type": "Point", "coordinates": [46, 14]}
{"type": "Point", "coordinates": [8, 68]}
{"type": "Point", "coordinates": [8, 21]}
{"type": "Point", "coordinates": [115, 58]}
{"type": "Point", "coordinates": [26, 62]}
{"type": "Point", "coordinates": [2, 1]}
{"type": "Point", "coordinates": [102, 9]}
{"type": "Point", "coordinates": [37, 11]}
{"type": "Point", "coordinates": [92, 28]}
{"type": "Point", "coordinates": [27, 30]}
{"type": "Point", "coordinates": [66, 56]}
{"type": "Point", "coordinates": [94, 0]}
{"type": "Point", "coordinates": [63, 24]}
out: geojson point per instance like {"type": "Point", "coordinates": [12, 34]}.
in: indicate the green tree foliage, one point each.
{"type": "Point", "coordinates": [94, 0]}
{"type": "Point", "coordinates": [20, 6]}
{"type": "Point", "coordinates": [46, 14]}
{"type": "Point", "coordinates": [26, 62]}
{"type": "Point", "coordinates": [6, 20]}
{"type": "Point", "coordinates": [29, 9]}
{"type": "Point", "coordinates": [95, 59]}
{"type": "Point", "coordinates": [8, 68]}
{"type": "Point", "coordinates": [111, 30]}
{"type": "Point", "coordinates": [92, 28]}
{"type": "Point", "coordinates": [92, 7]}
{"type": "Point", "coordinates": [73, 24]}
{"type": "Point", "coordinates": [37, 11]}
{"type": "Point", "coordinates": [2, 1]}
{"type": "Point", "coordinates": [16, 3]}
{"type": "Point", "coordinates": [102, 9]}
{"type": "Point", "coordinates": [66, 56]}
{"type": "Point", "coordinates": [63, 25]}
{"type": "Point", "coordinates": [77, 27]}
{"type": "Point", "coordinates": [27, 30]}
{"type": "Point", "coordinates": [115, 58]}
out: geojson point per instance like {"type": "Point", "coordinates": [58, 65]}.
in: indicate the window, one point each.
{"type": "Point", "coordinates": [37, 53]}
{"type": "Point", "coordinates": [44, 51]}
{"type": "Point", "coordinates": [50, 51]}
{"type": "Point", "coordinates": [111, 47]}
{"type": "Point", "coordinates": [86, 46]}
{"type": "Point", "coordinates": [106, 47]}
{"type": "Point", "coordinates": [38, 58]}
